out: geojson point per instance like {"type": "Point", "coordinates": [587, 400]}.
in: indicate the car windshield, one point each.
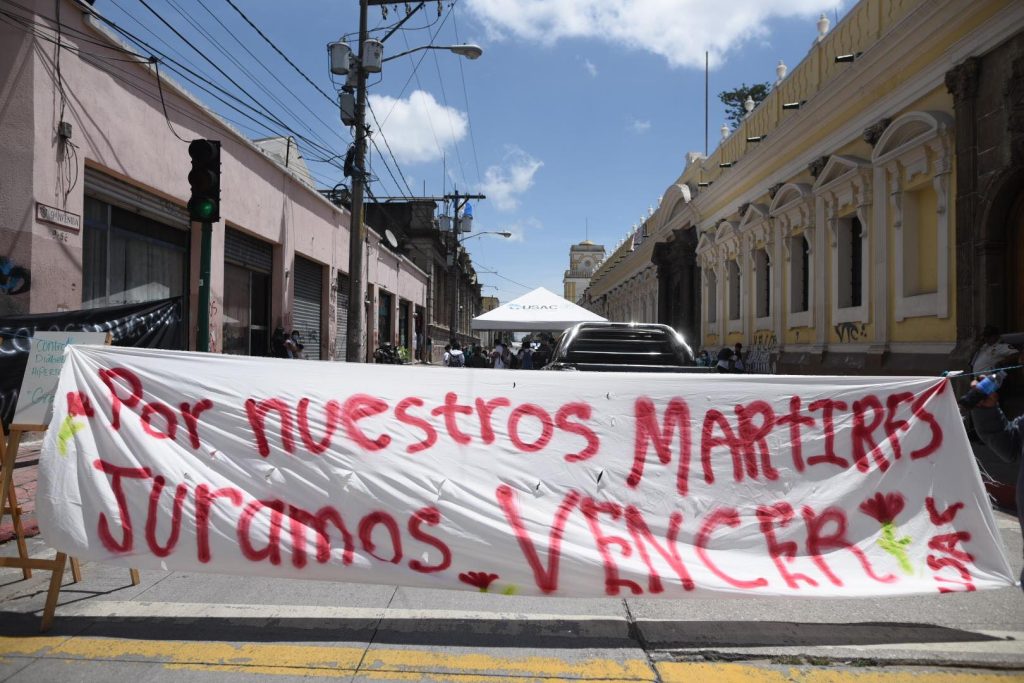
{"type": "Point", "coordinates": [624, 345]}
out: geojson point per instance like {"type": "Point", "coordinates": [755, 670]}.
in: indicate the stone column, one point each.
{"type": "Point", "coordinates": [974, 292]}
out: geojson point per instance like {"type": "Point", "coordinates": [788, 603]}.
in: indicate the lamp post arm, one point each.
{"type": "Point", "coordinates": [409, 52]}
{"type": "Point", "coordinates": [467, 51]}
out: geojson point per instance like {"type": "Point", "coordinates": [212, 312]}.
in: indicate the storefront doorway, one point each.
{"type": "Point", "coordinates": [248, 263]}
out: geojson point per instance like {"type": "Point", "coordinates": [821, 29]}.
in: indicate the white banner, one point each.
{"type": "Point", "coordinates": [516, 482]}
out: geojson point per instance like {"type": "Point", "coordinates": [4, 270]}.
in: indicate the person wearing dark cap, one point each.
{"type": "Point", "coordinates": [991, 352]}
{"type": "Point", "coordinates": [737, 359]}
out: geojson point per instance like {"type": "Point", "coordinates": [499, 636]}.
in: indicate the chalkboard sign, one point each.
{"type": "Point", "coordinates": [35, 400]}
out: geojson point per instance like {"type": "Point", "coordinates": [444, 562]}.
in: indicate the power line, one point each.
{"type": "Point", "coordinates": [128, 79]}
{"type": "Point", "coordinates": [490, 271]}
{"type": "Point", "coordinates": [259, 61]}
{"type": "Point", "coordinates": [269, 42]}
{"type": "Point", "coordinates": [160, 38]}
{"type": "Point", "coordinates": [448, 114]}
{"type": "Point", "coordinates": [416, 67]}
{"type": "Point", "coordinates": [212, 63]}
{"type": "Point", "coordinates": [465, 95]}
{"type": "Point", "coordinates": [259, 84]}
{"type": "Point", "coordinates": [160, 87]}
{"type": "Point", "coordinates": [181, 71]}
{"type": "Point", "coordinates": [381, 133]}
{"type": "Point", "coordinates": [34, 28]}
{"type": "Point", "coordinates": [97, 60]}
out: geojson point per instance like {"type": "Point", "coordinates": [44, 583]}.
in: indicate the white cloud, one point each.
{"type": "Point", "coordinates": [590, 67]}
{"type": "Point", "coordinates": [504, 183]}
{"type": "Point", "coordinates": [639, 127]}
{"type": "Point", "coordinates": [418, 129]}
{"type": "Point", "coordinates": [678, 30]}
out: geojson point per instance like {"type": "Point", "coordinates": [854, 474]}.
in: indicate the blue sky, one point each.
{"type": "Point", "coordinates": [573, 122]}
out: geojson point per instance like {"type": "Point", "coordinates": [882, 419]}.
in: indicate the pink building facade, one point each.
{"type": "Point", "coordinates": [93, 190]}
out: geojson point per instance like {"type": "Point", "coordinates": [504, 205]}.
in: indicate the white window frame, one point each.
{"type": "Point", "coordinates": [756, 235]}
{"type": "Point", "coordinates": [762, 260]}
{"type": "Point", "coordinates": [795, 246]}
{"type": "Point", "coordinates": [734, 295]}
{"type": "Point", "coordinates": [711, 295]}
{"type": "Point", "coordinates": [792, 210]}
{"type": "Point", "coordinates": [846, 181]}
{"type": "Point", "coordinates": [845, 237]}
{"type": "Point", "coordinates": [916, 145]}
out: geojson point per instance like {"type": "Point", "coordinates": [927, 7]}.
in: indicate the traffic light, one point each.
{"type": "Point", "coordinates": [204, 179]}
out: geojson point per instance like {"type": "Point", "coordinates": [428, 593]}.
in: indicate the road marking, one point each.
{"type": "Point", "coordinates": [671, 672]}
{"type": "Point", "coordinates": [325, 660]}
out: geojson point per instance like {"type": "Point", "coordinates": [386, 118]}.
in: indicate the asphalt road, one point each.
{"type": "Point", "coordinates": [206, 627]}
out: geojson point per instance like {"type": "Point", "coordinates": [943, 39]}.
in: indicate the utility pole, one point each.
{"type": "Point", "coordinates": [458, 201]}
{"type": "Point", "coordinates": [355, 344]}
{"type": "Point", "coordinates": [354, 352]}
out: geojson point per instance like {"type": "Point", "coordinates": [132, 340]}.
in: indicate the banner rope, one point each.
{"type": "Point", "coordinates": [963, 373]}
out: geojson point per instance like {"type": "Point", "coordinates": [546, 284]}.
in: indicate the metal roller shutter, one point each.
{"type": "Point", "coordinates": [341, 343]}
{"type": "Point", "coordinates": [247, 251]}
{"type": "Point", "coordinates": [118, 193]}
{"type": "Point", "coordinates": [308, 300]}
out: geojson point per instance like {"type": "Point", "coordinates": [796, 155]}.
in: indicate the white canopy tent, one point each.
{"type": "Point", "coordinates": [540, 310]}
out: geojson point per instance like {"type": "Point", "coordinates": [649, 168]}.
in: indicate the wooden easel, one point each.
{"type": "Point", "coordinates": [23, 561]}
{"type": "Point", "coordinates": [9, 505]}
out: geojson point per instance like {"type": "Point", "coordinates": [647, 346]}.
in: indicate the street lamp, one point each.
{"type": "Point", "coordinates": [453, 274]}
{"type": "Point", "coordinates": [469, 51]}
{"type": "Point", "coordinates": [356, 320]}
{"type": "Point", "coordinates": [503, 233]}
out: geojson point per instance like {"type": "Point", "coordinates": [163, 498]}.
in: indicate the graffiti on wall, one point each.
{"type": "Point", "coordinates": [851, 332]}
{"type": "Point", "coordinates": [157, 324]}
{"type": "Point", "coordinates": [762, 356]}
{"type": "Point", "coordinates": [14, 279]}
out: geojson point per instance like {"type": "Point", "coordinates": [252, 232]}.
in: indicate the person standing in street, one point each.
{"type": "Point", "coordinates": [453, 356]}
{"type": "Point", "coordinates": [477, 359]}
{"type": "Point", "coordinates": [500, 356]}
{"type": "Point", "coordinates": [293, 347]}
{"type": "Point", "coordinates": [525, 355]}
{"type": "Point", "coordinates": [1006, 438]}
{"type": "Point", "coordinates": [542, 356]}
{"type": "Point", "coordinates": [738, 364]}
{"type": "Point", "coordinates": [724, 363]}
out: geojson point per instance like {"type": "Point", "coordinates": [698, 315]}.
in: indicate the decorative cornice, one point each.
{"type": "Point", "coordinates": [962, 80]}
{"type": "Point", "coordinates": [743, 209]}
{"type": "Point", "coordinates": [873, 132]}
{"type": "Point", "coordinates": [774, 189]}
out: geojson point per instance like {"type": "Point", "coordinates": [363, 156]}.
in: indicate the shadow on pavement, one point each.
{"type": "Point", "coordinates": [695, 634]}
{"type": "Point", "coordinates": [569, 634]}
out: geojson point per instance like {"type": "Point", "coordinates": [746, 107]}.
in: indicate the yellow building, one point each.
{"type": "Point", "coordinates": [583, 260]}
{"type": "Point", "coordinates": [868, 215]}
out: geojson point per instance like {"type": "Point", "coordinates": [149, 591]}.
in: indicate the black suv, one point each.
{"type": "Point", "coordinates": [625, 347]}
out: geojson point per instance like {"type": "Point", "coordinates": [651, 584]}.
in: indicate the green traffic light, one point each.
{"type": "Point", "coordinates": [203, 209]}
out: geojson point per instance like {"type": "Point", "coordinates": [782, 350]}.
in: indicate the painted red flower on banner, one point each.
{"type": "Point", "coordinates": [78, 404]}
{"type": "Point", "coordinates": [481, 580]}
{"type": "Point", "coordinates": [883, 507]}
